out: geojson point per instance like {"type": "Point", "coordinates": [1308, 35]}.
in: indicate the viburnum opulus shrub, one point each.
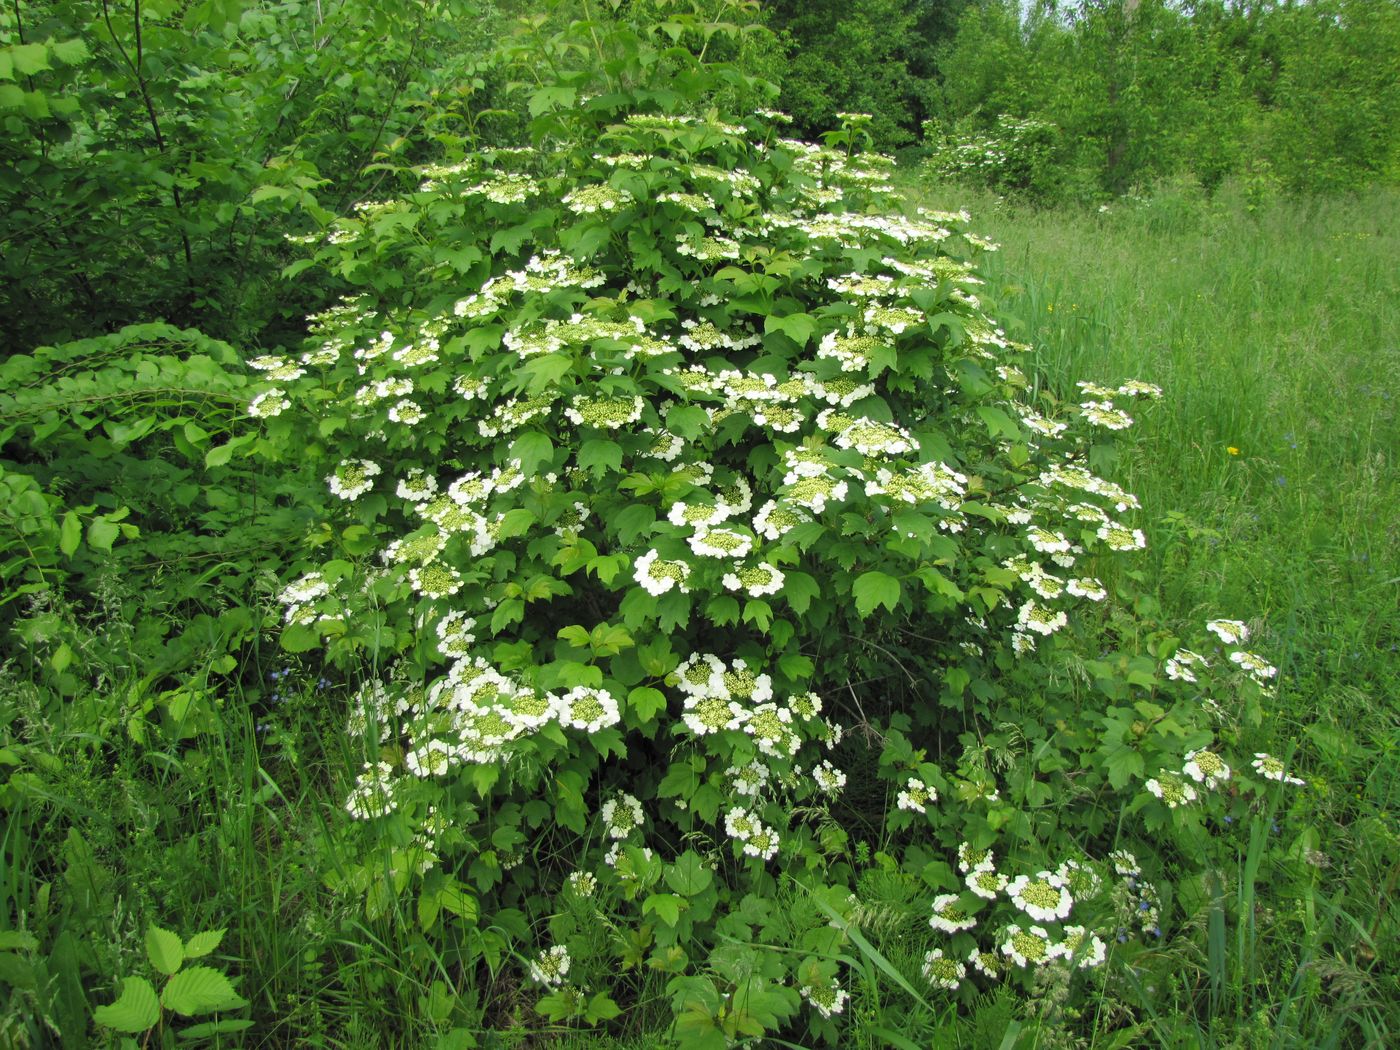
{"type": "Point", "coordinates": [641, 448]}
{"type": "Point", "coordinates": [1021, 157]}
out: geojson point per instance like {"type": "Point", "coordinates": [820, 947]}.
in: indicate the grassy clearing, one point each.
{"type": "Point", "coordinates": [1268, 473]}
{"type": "Point", "coordinates": [1270, 493]}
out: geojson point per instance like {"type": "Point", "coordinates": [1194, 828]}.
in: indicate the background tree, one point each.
{"type": "Point", "coordinates": [1146, 89]}
{"type": "Point", "coordinates": [1335, 123]}
{"type": "Point", "coordinates": [155, 152]}
{"type": "Point", "coordinates": [870, 56]}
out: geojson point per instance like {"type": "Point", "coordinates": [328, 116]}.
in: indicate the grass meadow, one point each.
{"type": "Point", "coordinates": [1270, 494]}
{"type": "Point", "coordinates": [1268, 476]}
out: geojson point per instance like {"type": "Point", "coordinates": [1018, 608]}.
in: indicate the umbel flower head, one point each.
{"type": "Point", "coordinates": [942, 971]}
{"type": "Point", "coordinates": [827, 998]}
{"type": "Point", "coordinates": [948, 916]}
{"type": "Point", "coordinates": [352, 478]}
{"type": "Point", "coordinates": [657, 575]}
{"type": "Point", "coordinates": [987, 882]}
{"type": "Point", "coordinates": [1271, 768]}
{"type": "Point", "coordinates": [1206, 767]}
{"type": "Point", "coordinates": [621, 815]}
{"type": "Point", "coordinates": [1027, 947]}
{"type": "Point", "coordinates": [1081, 947]}
{"type": "Point", "coordinates": [916, 796]}
{"type": "Point", "coordinates": [1044, 896]}
{"type": "Point", "coordinates": [551, 967]}
{"type": "Point", "coordinates": [1231, 632]}
{"type": "Point", "coordinates": [1172, 790]}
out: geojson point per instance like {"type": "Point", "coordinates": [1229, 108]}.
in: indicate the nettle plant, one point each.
{"type": "Point", "coordinates": [646, 445]}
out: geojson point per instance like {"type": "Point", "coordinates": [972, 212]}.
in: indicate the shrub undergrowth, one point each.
{"type": "Point", "coordinates": [696, 485]}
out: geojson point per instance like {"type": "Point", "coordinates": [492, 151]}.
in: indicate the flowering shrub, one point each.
{"type": "Point", "coordinates": [1020, 156]}
{"type": "Point", "coordinates": [702, 528]}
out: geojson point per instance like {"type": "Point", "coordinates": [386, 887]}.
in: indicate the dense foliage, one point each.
{"type": "Point", "coordinates": [172, 139]}
{"type": "Point", "coordinates": [871, 56]}
{"type": "Point", "coordinates": [622, 575]}
{"type": "Point", "coordinates": [1297, 96]}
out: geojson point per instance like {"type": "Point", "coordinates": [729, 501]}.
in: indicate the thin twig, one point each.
{"type": "Point", "coordinates": [866, 728]}
{"type": "Point", "coordinates": [135, 67]}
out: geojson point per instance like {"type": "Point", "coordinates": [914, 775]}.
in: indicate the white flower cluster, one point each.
{"type": "Point", "coordinates": [948, 915]}
{"type": "Point", "coordinates": [828, 778]}
{"type": "Point", "coordinates": [352, 478]}
{"type": "Point", "coordinates": [1046, 898]}
{"type": "Point", "coordinates": [605, 413]}
{"type": "Point", "coordinates": [271, 402]}
{"type": "Point", "coordinates": [473, 713]}
{"type": "Point", "coordinates": [942, 971]}
{"type": "Point", "coordinates": [1273, 769]}
{"type": "Point", "coordinates": [828, 998]}
{"type": "Point", "coordinates": [708, 249]}
{"type": "Point", "coordinates": [588, 200]}
{"type": "Point", "coordinates": [621, 815]}
{"type": "Point", "coordinates": [1104, 414]}
{"type": "Point", "coordinates": [506, 187]}
{"type": "Point", "coordinates": [1183, 665]}
{"type": "Point", "coordinates": [755, 838]}
{"type": "Point", "coordinates": [755, 581]}
{"type": "Point", "coordinates": [551, 967]}
{"type": "Point", "coordinates": [916, 796]}
{"type": "Point", "coordinates": [547, 272]}
{"type": "Point", "coordinates": [850, 349]}
{"type": "Point", "coordinates": [373, 793]}
{"type": "Point", "coordinates": [734, 180]}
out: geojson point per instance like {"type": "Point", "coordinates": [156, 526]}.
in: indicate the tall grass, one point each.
{"type": "Point", "coordinates": [1268, 473]}
{"type": "Point", "coordinates": [1268, 477]}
